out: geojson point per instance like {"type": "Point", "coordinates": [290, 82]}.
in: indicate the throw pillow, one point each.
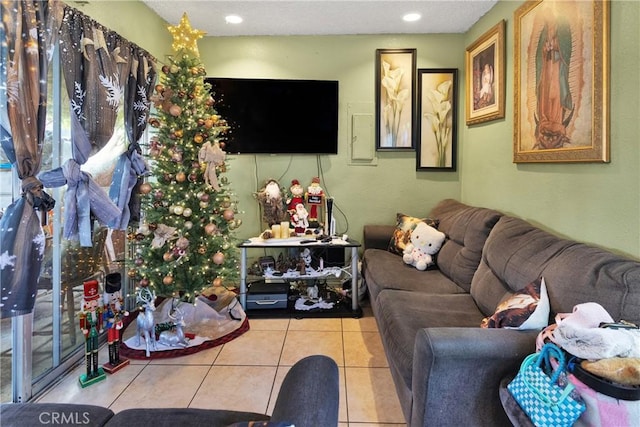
{"type": "Point", "coordinates": [402, 234]}
{"type": "Point", "coordinates": [526, 309]}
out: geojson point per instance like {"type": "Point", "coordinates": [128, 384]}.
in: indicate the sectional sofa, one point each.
{"type": "Point", "coordinates": [446, 368]}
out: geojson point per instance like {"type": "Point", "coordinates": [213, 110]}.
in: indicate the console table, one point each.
{"type": "Point", "coordinates": [300, 243]}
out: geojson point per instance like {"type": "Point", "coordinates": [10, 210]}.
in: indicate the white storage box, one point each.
{"type": "Point", "coordinates": [263, 295]}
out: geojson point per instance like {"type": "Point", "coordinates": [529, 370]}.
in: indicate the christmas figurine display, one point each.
{"type": "Point", "coordinates": [314, 196]}
{"type": "Point", "coordinates": [296, 196]}
{"type": "Point", "coordinates": [113, 313]}
{"type": "Point", "coordinates": [91, 326]}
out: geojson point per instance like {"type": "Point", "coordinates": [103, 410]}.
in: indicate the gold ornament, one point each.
{"type": "Point", "coordinates": [145, 188]}
{"type": "Point", "coordinates": [218, 258]}
{"type": "Point", "coordinates": [185, 37]}
{"type": "Point", "coordinates": [167, 280]}
{"type": "Point", "coordinates": [217, 282]}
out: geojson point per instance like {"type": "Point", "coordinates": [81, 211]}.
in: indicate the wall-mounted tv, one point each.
{"type": "Point", "coordinates": [274, 116]}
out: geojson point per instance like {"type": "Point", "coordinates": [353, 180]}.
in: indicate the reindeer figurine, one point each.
{"type": "Point", "coordinates": [175, 338]}
{"type": "Point", "coordinates": [145, 322]}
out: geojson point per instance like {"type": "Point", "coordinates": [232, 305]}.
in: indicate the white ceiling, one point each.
{"type": "Point", "coordinates": [323, 17]}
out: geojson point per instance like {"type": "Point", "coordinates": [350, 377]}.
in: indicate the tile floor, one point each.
{"type": "Point", "coordinates": [246, 373]}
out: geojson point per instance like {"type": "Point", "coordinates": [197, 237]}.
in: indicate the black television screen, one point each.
{"type": "Point", "coordinates": [269, 116]}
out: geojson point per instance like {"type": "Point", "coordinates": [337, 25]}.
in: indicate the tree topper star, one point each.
{"type": "Point", "coordinates": [185, 37]}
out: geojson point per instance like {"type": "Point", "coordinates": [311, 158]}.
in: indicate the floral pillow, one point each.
{"type": "Point", "coordinates": [526, 309]}
{"type": "Point", "coordinates": [402, 234]}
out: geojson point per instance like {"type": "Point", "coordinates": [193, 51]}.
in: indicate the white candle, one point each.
{"type": "Point", "coordinates": [275, 230]}
{"type": "Point", "coordinates": [284, 229]}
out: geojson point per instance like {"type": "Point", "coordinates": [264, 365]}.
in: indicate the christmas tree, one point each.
{"type": "Point", "coordinates": [186, 244]}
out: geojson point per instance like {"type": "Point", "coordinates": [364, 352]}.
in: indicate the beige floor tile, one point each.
{"type": "Point", "coordinates": [102, 393]}
{"type": "Point", "coordinates": [160, 386]}
{"type": "Point", "coordinates": [310, 324]}
{"type": "Point", "coordinates": [204, 357]}
{"type": "Point", "coordinates": [371, 396]}
{"type": "Point", "coordinates": [240, 388]}
{"type": "Point", "coordinates": [253, 348]}
{"type": "Point", "coordinates": [299, 344]}
{"type": "Point", "coordinates": [367, 323]}
{"type": "Point", "coordinates": [268, 324]}
{"type": "Point", "coordinates": [364, 349]}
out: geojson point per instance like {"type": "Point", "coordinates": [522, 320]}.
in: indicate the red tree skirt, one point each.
{"type": "Point", "coordinates": [132, 353]}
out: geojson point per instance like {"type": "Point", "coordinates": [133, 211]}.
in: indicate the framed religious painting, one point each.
{"type": "Point", "coordinates": [561, 69]}
{"type": "Point", "coordinates": [437, 119]}
{"type": "Point", "coordinates": [395, 95]}
{"type": "Point", "coordinates": [484, 62]}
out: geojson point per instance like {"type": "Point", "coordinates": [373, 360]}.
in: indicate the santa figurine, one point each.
{"type": "Point", "coordinates": [314, 198]}
{"type": "Point", "coordinates": [272, 203]}
{"type": "Point", "coordinates": [296, 196]}
{"type": "Point", "coordinates": [300, 219]}
{"type": "Point", "coordinates": [91, 326]}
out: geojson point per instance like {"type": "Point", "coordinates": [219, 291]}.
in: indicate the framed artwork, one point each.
{"type": "Point", "coordinates": [437, 119]}
{"type": "Point", "coordinates": [561, 69]}
{"type": "Point", "coordinates": [484, 62]}
{"type": "Point", "coordinates": [395, 105]}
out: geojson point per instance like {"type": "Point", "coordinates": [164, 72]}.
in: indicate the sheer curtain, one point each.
{"type": "Point", "coordinates": [27, 33]}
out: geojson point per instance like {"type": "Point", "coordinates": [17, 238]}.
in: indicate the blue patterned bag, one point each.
{"type": "Point", "coordinates": [540, 397]}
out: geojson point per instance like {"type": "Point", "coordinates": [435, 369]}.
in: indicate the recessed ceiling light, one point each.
{"type": "Point", "coordinates": [233, 19]}
{"type": "Point", "coordinates": [412, 17]}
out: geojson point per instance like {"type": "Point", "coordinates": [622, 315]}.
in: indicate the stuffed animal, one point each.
{"type": "Point", "coordinates": [425, 242]}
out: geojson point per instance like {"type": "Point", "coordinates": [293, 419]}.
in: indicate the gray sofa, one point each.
{"type": "Point", "coordinates": [447, 369]}
{"type": "Point", "coordinates": [308, 397]}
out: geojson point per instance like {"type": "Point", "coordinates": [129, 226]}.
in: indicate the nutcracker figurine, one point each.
{"type": "Point", "coordinates": [314, 196]}
{"type": "Point", "coordinates": [112, 316]}
{"type": "Point", "coordinates": [91, 326]}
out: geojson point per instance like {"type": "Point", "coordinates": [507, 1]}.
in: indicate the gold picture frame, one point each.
{"type": "Point", "coordinates": [484, 63]}
{"type": "Point", "coordinates": [561, 69]}
{"type": "Point", "coordinates": [395, 99]}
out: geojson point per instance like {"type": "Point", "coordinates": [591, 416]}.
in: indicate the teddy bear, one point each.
{"type": "Point", "coordinates": [425, 242]}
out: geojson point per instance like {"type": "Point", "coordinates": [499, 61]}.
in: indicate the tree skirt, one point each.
{"type": "Point", "coordinates": [205, 327]}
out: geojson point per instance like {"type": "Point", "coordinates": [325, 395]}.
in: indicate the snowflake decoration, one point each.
{"type": "Point", "coordinates": [114, 91]}
{"type": "Point", "coordinates": [7, 260]}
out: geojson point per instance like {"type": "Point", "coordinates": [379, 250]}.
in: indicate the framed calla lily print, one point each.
{"type": "Point", "coordinates": [437, 119]}
{"type": "Point", "coordinates": [395, 94]}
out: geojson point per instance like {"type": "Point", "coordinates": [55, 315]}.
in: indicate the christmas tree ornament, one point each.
{"type": "Point", "coordinates": [167, 256]}
{"type": "Point", "coordinates": [193, 177]}
{"type": "Point", "coordinates": [132, 272]}
{"type": "Point", "coordinates": [203, 205]}
{"type": "Point", "coordinates": [175, 110]}
{"type": "Point", "coordinates": [174, 69]}
{"type": "Point", "coordinates": [158, 195]}
{"type": "Point", "coordinates": [181, 177]}
{"type": "Point", "coordinates": [217, 282]}
{"type": "Point", "coordinates": [218, 258]}
{"type": "Point", "coordinates": [178, 210]}
{"type": "Point", "coordinates": [210, 228]}
{"type": "Point", "coordinates": [188, 225]}
{"type": "Point", "coordinates": [167, 280]}
{"type": "Point", "coordinates": [197, 138]}
{"type": "Point", "coordinates": [202, 250]}
{"type": "Point", "coordinates": [187, 212]}
{"type": "Point", "coordinates": [228, 214]}
{"type": "Point", "coordinates": [182, 243]}
{"type": "Point", "coordinates": [165, 69]}
{"type": "Point", "coordinates": [145, 188]}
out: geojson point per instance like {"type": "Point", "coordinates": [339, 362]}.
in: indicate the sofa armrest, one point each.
{"type": "Point", "coordinates": [457, 373]}
{"type": "Point", "coordinates": [309, 394]}
{"type": "Point", "coordinates": [377, 236]}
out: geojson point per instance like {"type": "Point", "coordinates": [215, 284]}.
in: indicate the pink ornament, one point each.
{"type": "Point", "coordinates": [228, 214]}
{"type": "Point", "coordinates": [218, 258]}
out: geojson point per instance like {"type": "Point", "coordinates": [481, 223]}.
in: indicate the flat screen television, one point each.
{"type": "Point", "coordinates": [275, 116]}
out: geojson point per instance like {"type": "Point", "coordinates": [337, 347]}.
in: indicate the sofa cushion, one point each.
{"type": "Point", "coordinates": [517, 252]}
{"type": "Point", "coordinates": [58, 414]}
{"type": "Point", "coordinates": [401, 314]}
{"type": "Point", "coordinates": [383, 270]}
{"type": "Point", "coordinates": [402, 233]}
{"type": "Point", "coordinates": [526, 309]}
{"type": "Point", "coordinates": [170, 417]}
{"type": "Point", "coordinates": [466, 228]}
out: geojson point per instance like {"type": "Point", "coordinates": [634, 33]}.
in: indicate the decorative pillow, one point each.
{"type": "Point", "coordinates": [402, 234]}
{"type": "Point", "coordinates": [526, 309]}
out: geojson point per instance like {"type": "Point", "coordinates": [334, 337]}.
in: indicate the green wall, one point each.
{"type": "Point", "coordinates": [595, 203]}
